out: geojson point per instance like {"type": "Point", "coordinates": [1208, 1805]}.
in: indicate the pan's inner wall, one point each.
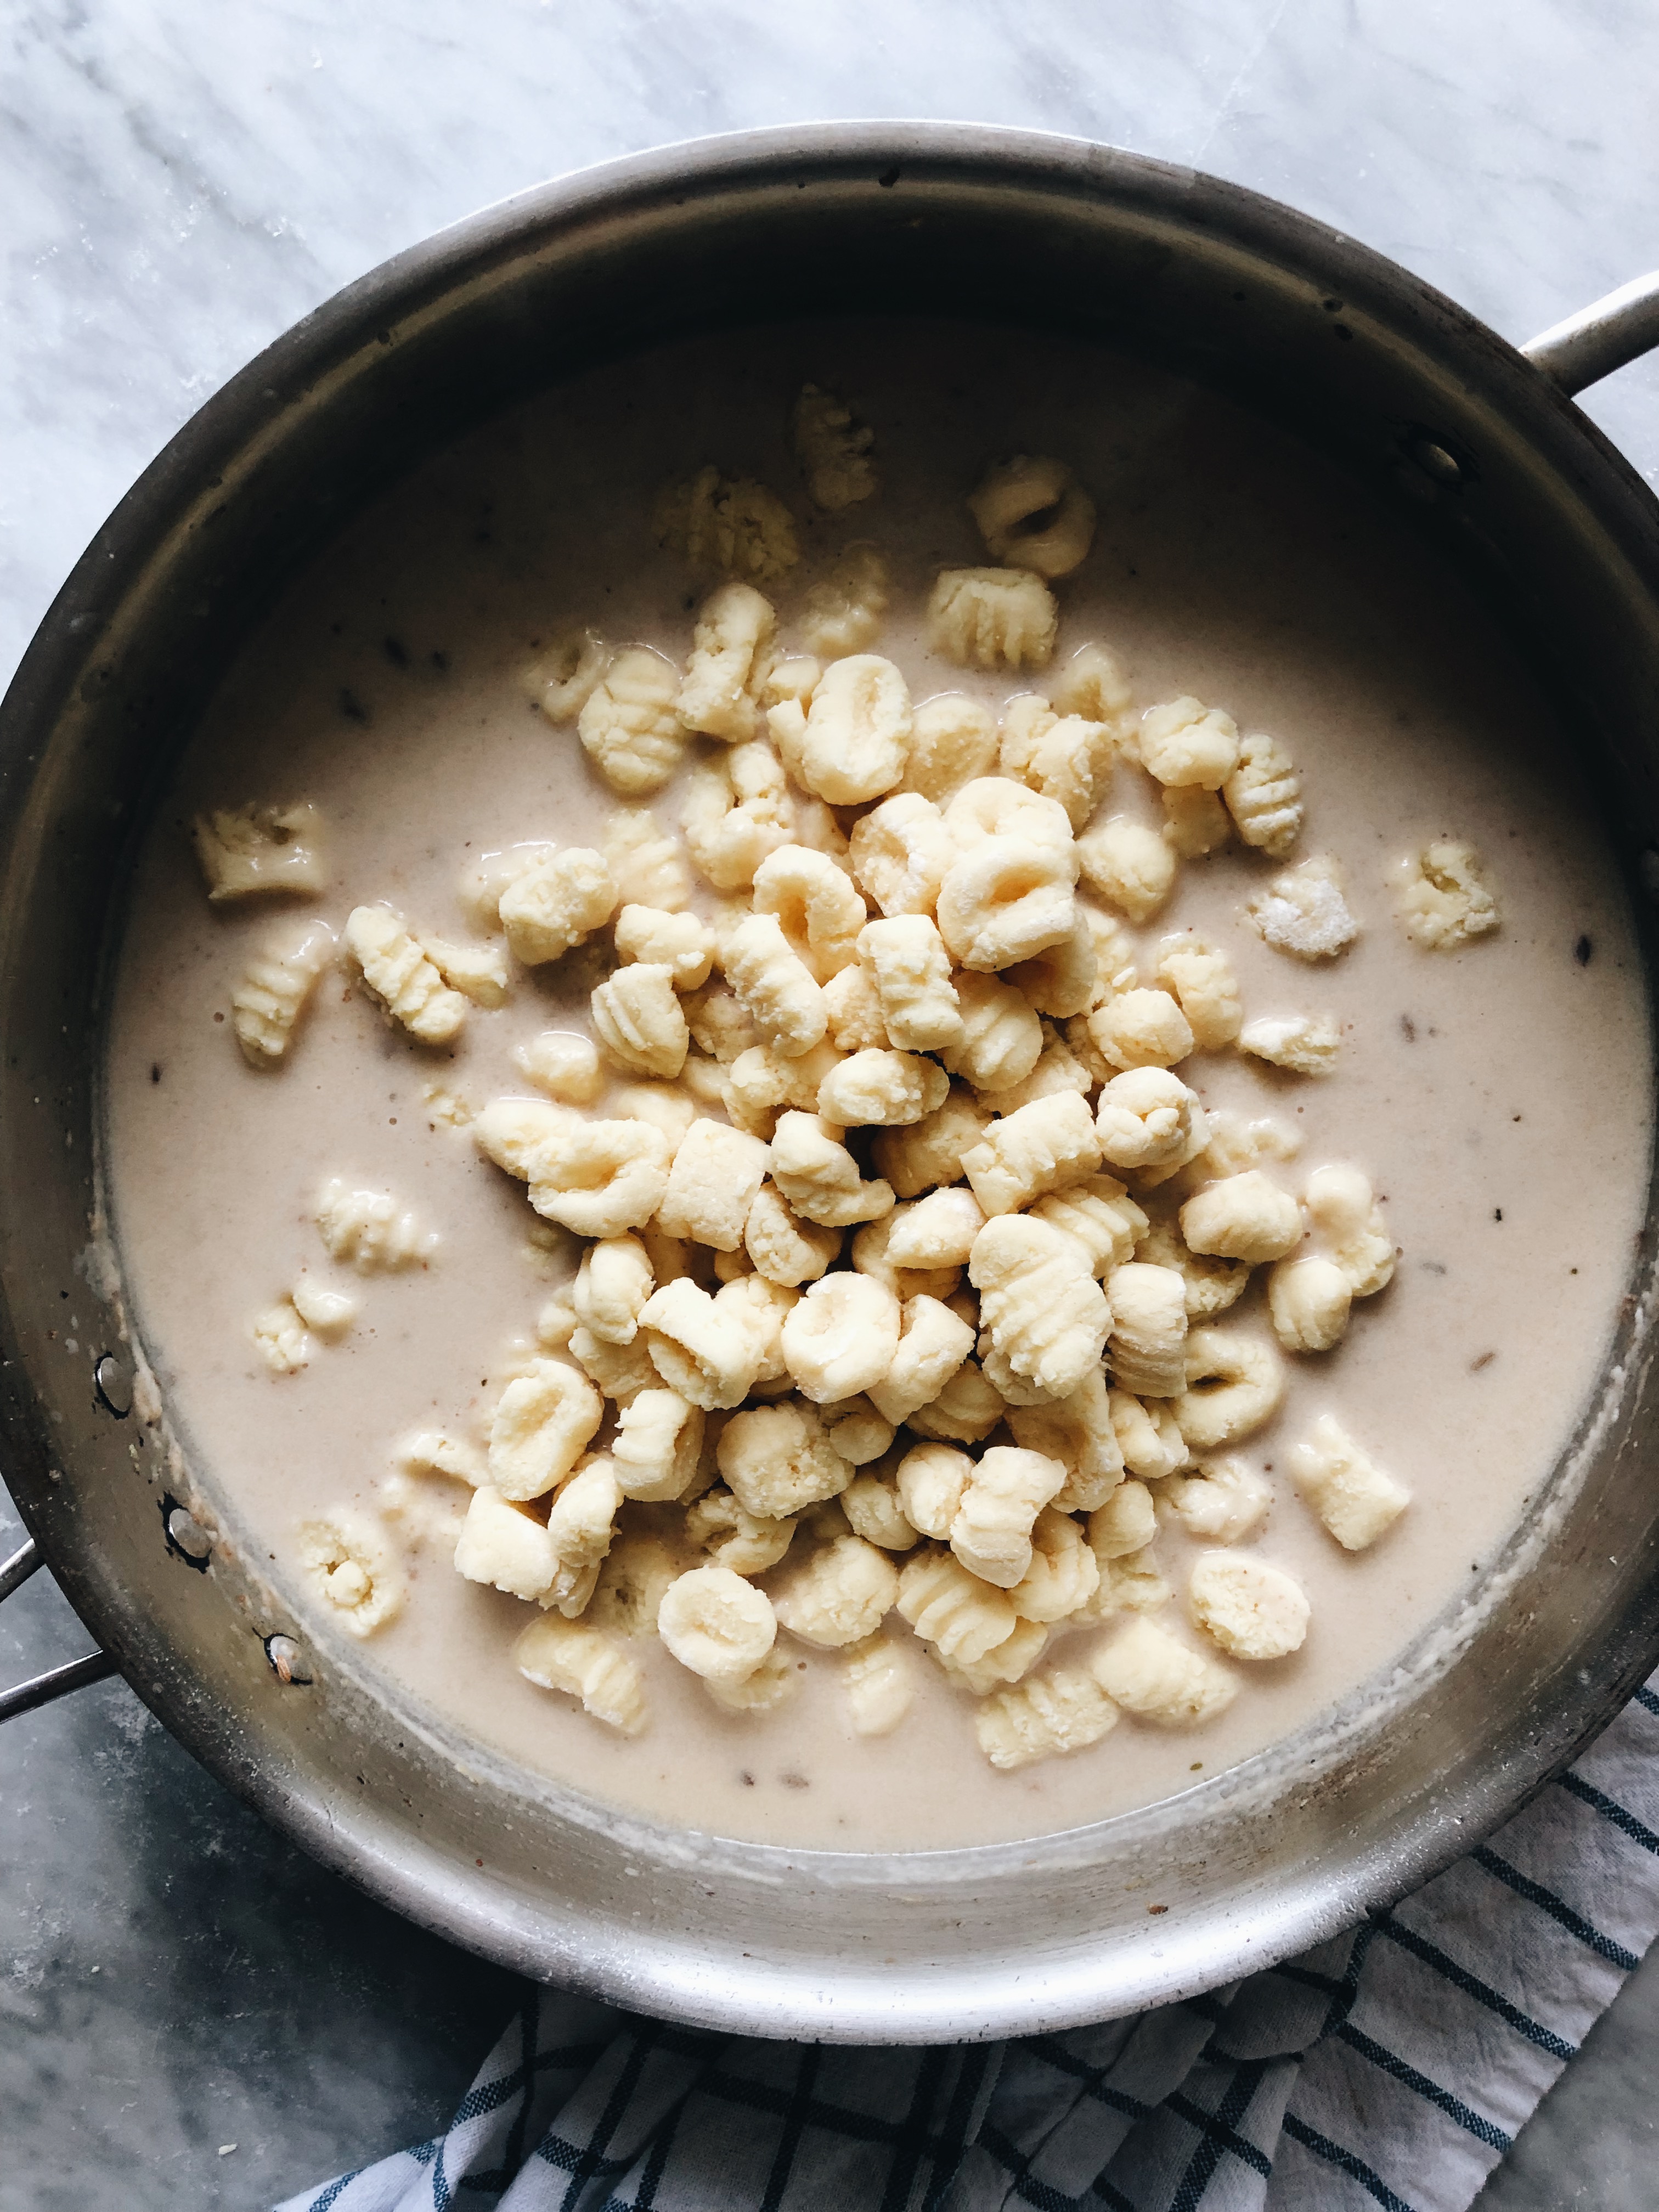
{"type": "Point", "coordinates": [1365, 364]}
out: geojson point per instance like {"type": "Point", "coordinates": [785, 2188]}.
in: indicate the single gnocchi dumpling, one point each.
{"type": "Point", "coordinates": [1032, 512]}
{"type": "Point", "coordinates": [777, 1460]}
{"type": "Point", "coordinates": [1302, 1044]}
{"type": "Point", "coordinates": [1001, 1039]}
{"type": "Point", "coordinates": [1154, 1675]}
{"type": "Point", "coordinates": [647, 866]}
{"type": "Point", "coordinates": [711, 1354]}
{"type": "Point", "coordinates": [842, 613]}
{"type": "Point", "coordinates": [1444, 897]}
{"type": "Point", "coordinates": [629, 725]}
{"type": "Point", "coordinates": [1264, 796]}
{"type": "Point", "coordinates": [1044, 1146]}
{"type": "Point", "coordinates": [679, 942]}
{"type": "Point", "coordinates": [852, 744]}
{"type": "Point", "coordinates": [1234, 1383]}
{"type": "Point", "coordinates": [917, 1002]}
{"type": "Point", "coordinates": [783, 1245]}
{"type": "Point", "coordinates": [716, 1624]}
{"type": "Point", "coordinates": [992, 617]}
{"type": "Point", "coordinates": [543, 1423]}
{"type": "Point", "coordinates": [355, 1567]}
{"type": "Point", "coordinates": [1129, 865]}
{"type": "Point", "coordinates": [714, 1183]}
{"type": "Point", "coordinates": [732, 1536]}
{"type": "Point", "coordinates": [613, 1284]}
{"type": "Point", "coordinates": [933, 1344]}
{"type": "Point", "coordinates": [731, 523]}
{"type": "Point", "coordinates": [953, 741]}
{"type": "Point", "coordinates": [397, 972]}
{"type": "Point", "coordinates": [1140, 1029]}
{"type": "Point", "coordinates": [1252, 1609]}
{"type": "Point", "coordinates": [1148, 1329]}
{"type": "Point", "coordinates": [820, 1178]}
{"type": "Point", "coordinates": [245, 851]}
{"type": "Point", "coordinates": [833, 450]}
{"type": "Point", "coordinates": [1186, 745]}
{"type": "Point", "coordinates": [1040, 1306]}
{"type": "Point", "coordinates": [841, 1337]}
{"type": "Point", "coordinates": [1005, 900]}
{"type": "Point", "coordinates": [1065, 757]}
{"type": "Point", "coordinates": [1147, 1118]}
{"type": "Point", "coordinates": [1350, 1494]}
{"type": "Point", "coordinates": [637, 1014]}
{"type": "Point", "coordinates": [1302, 912]}
{"type": "Point", "coordinates": [1200, 978]}
{"type": "Point", "coordinates": [657, 1446]}
{"type": "Point", "coordinates": [1225, 1502]}
{"type": "Point", "coordinates": [731, 649]}
{"type": "Point", "coordinates": [899, 852]}
{"type": "Point", "coordinates": [737, 810]}
{"type": "Point", "coordinates": [557, 901]}
{"type": "Point", "coordinates": [597, 1178]}
{"type": "Point", "coordinates": [1348, 1218]}
{"type": "Point", "coordinates": [880, 1684]}
{"type": "Point", "coordinates": [838, 1596]}
{"type": "Point", "coordinates": [268, 1002]}
{"type": "Point", "coordinates": [582, 1663]}
{"type": "Point", "coordinates": [950, 1607]}
{"type": "Point", "coordinates": [818, 909]}
{"type": "Point", "coordinates": [1244, 1217]}
{"type": "Point", "coordinates": [367, 1229]}
{"type": "Point", "coordinates": [561, 678]}
{"type": "Point", "coordinates": [1043, 1717]}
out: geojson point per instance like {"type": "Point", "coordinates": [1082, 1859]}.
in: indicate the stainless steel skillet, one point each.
{"type": "Point", "coordinates": [1480, 444]}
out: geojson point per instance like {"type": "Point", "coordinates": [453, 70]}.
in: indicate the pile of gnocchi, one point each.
{"type": "Point", "coordinates": [900, 1321]}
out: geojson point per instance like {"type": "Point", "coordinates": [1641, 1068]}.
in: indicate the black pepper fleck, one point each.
{"type": "Point", "coordinates": [1497, 1214]}
{"type": "Point", "coordinates": [395, 651]}
{"type": "Point", "coordinates": [156, 1071]}
{"type": "Point", "coordinates": [1484, 1360]}
{"type": "Point", "coordinates": [352, 707]}
{"type": "Point", "coordinates": [1408, 1029]}
{"type": "Point", "coordinates": [1583, 951]}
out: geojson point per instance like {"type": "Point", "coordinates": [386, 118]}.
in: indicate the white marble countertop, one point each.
{"type": "Point", "coordinates": [180, 181]}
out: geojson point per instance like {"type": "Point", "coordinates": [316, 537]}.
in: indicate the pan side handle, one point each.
{"type": "Point", "coordinates": [1600, 338]}
{"type": "Point", "coordinates": [24, 1697]}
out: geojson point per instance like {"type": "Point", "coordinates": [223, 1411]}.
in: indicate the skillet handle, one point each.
{"type": "Point", "coordinates": [96, 1667]}
{"type": "Point", "coordinates": [1600, 338]}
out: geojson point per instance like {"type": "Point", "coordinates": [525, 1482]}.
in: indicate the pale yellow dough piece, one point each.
{"type": "Point", "coordinates": [1042, 1717]}
{"type": "Point", "coordinates": [244, 851]}
{"type": "Point", "coordinates": [1444, 897]}
{"type": "Point", "coordinates": [992, 617]}
{"type": "Point", "coordinates": [1252, 1609]}
{"type": "Point", "coordinates": [1152, 1674]}
{"type": "Point", "coordinates": [1351, 1495]}
{"type": "Point", "coordinates": [584, 1663]}
{"type": "Point", "coordinates": [630, 726]}
{"type": "Point", "coordinates": [269, 999]}
{"type": "Point", "coordinates": [397, 973]}
{"type": "Point", "coordinates": [732, 523]}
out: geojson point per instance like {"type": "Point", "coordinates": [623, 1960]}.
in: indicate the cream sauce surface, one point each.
{"type": "Point", "coordinates": [1498, 1096]}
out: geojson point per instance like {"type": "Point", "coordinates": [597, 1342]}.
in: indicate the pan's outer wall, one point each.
{"type": "Point", "coordinates": [1362, 360]}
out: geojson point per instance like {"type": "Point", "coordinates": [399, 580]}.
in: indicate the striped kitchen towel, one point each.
{"type": "Point", "coordinates": [1390, 2066]}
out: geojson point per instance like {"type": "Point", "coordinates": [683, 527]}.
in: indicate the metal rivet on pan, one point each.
{"type": "Point", "coordinates": [1436, 461]}
{"type": "Point", "coordinates": [188, 1534]}
{"type": "Point", "coordinates": [286, 1659]}
{"type": "Point", "coordinates": [114, 1386]}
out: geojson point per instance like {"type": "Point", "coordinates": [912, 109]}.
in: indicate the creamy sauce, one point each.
{"type": "Point", "coordinates": [1497, 1096]}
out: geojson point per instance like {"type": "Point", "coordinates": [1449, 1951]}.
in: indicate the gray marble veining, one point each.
{"type": "Point", "coordinates": [180, 181]}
